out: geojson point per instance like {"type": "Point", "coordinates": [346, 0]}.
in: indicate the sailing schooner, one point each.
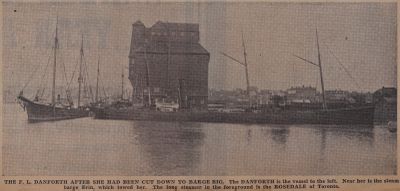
{"type": "Point", "coordinates": [38, 111]}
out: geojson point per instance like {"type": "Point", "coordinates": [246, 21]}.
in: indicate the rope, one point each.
{"type": "Point", "coordinates": [102, 86]}
{"type": "Point", "coordinates": [343, 67]}
{"type": "Point", "coordinates": [45, 76]}
{"type": "Point", "coordinates": [65, 77]}
{"type": "Point", "coordinates": [87, 77]}
{"type": "Point", "coordinates": [33, 73]}
{"type": "Point", "coordinates": [73, 74]}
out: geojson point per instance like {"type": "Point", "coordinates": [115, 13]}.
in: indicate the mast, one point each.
{"type": "Point", "coordinates": [169, 55]}
{"type": "Point", "coordinates": [141, 86]}
{"type": "Point", "coordinates": [148, 74]}
{"type": "Point", "coordinates": [53, 90]}
{"type": "Point", "coordinates": [246, 70]}
{"type": "Point", "coordinates": [319, 65]}
{"type": "Point", "coordinates": [122, 83]}
{"type": "Point", "coordinates": [320, 73]}
{"type": "Point", "coordinates": [245, 67]}
{"type": "Point", "coordinates": [180, 93]}
{"type": "Point", "coordinates": [97, 83]}
{"type": "Point", "coordinates": [80, 74]}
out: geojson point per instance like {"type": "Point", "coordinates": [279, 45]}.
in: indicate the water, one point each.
{"type": "Point", "coordinates": [106, 147]}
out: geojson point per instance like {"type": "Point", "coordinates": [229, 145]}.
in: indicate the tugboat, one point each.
{"type": "Point", "coordinates": [39, 111]}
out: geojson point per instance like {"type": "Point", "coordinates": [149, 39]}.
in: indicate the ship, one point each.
{"type": "Point", "coordinates": [39, 110]}
{"type": "Point", "coordinates": [344, 116]}
{"type": "Point", "coordinates": [350, 115]}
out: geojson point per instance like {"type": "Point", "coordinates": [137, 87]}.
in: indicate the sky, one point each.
{"type": "Point", "coordinates": [357, 41]}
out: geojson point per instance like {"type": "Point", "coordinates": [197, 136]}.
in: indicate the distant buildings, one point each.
{"type": "Point", "coordinates": [339, 96]}
{"type": "Point", "coordinates": [293, 95]}
{"type": "Point", "coordinates": [385, 100]}
{"type": "Point", "coordinates": [168, 59]}
{"type": "Point", "coordinates": [302, 94]}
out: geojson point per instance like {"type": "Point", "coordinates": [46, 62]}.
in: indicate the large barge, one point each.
{"type": "Point", "coordinates": [360, 115]}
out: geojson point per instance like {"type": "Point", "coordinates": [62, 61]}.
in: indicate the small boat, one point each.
{"type": "Point", "coordinates": [392, 126]}
{"type": "Point", "coordinates": [39, 111]}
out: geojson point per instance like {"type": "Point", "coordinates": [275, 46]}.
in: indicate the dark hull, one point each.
{"type": "Point", "coordinates": [360, 115]}
{"type": "Point", "coordinates": [40, 112]}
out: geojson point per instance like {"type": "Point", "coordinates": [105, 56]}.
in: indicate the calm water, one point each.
{"type": "Point", "coordinates": [106, 147]}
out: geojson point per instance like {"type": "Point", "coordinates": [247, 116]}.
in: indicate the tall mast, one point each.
{"type": "Point", "coordinates": [169, 55]}
{"type": "Point", "coordinates": [141, 85]}
{"type": "Point", "coordinates": [80, 74]}
{"type": "Point", "coordinates": [246, 70]}
{"type": "Point", "coordinates": [148, 74]}
{"type": "Point", "coordinates": [53, 90]}
{"type": "Point", "coordinates": [97, 82]}
{"type": "Point", "coordinates": [319, 65]}
{"type": "Point", "coordinates": [320, 73]}
{"type": "Point", "coordinates": [122, 83]}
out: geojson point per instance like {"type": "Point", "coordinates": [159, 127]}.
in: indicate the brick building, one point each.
{"type": "Point", "coordinates": [168, 59]}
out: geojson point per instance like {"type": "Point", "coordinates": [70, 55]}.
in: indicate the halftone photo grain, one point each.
{"type": "Point", "coordinates": [199, 88]}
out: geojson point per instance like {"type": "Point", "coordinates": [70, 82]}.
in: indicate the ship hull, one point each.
{"type": "Point", "coordinates": [361, 115]}
{"type": "Point", "coordinates": [38, 112]}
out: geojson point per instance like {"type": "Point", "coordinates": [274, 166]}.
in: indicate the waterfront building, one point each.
{"type": "Point", "coordinates": [168, 60]}
{"type": "Point", "coordinates": [338, 96]}
{"type": "Point", "coordinates": [302, 94]}
{"type": "Point", "coordinates": [385, 100]}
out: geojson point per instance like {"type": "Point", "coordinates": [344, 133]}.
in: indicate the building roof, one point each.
{"type": "Point", "coordinates": [386, 92]}
{"type": "Point", "coordinates": [138, 22]}
{"type": "Point", "coordinates": [177, 26]}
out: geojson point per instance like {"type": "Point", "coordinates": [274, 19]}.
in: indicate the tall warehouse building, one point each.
{"type": "Point", "coordinates": [168, 60]}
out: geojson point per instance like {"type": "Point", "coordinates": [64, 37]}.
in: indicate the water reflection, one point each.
{"type": "Point", "coordinates": [107, 147]}
{"type": "Point", "coordinates": [170, 148]}
{"type": "Point", "coordinates": [280, 135]}
{"type": "Point", "coordinates": [248, 135]}
{"type": "Point", "coordinates": [360, 134]}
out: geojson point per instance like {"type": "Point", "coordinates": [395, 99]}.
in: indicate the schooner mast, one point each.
{"type": "Point", "coordinates": [147, 74]}
{"type": "Point", "coordinates": [80, 74]}
{"type": "Point", "coordinates": [122, 84]}
{"type": "Point", "coordinates": [53, 90]}
{"type": "Point", "coordinates": [319, 65]}
{"type": "Point", "coordinates": [245, 67]}
{"type": "Point", "coordinates": [97, 82]}
{"type": "Point", "coordinates": [320, 72]}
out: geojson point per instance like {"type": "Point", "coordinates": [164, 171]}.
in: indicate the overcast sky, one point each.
{"type": "Point", "coordinates": [359, 36]}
